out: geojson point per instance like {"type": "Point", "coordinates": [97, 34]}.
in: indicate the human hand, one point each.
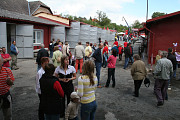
{"type": "Point", "coordinates": [9, 81]}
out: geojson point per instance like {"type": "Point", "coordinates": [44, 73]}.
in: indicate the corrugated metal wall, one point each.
{"type": "Point", "coordinates": [93, 35]}
{"type": "Point", "coordinates": [58, 32]}
{"type": "Point", "coordinates": [104, 35]}
{"type": "Point", "coordinates": [84, 34]}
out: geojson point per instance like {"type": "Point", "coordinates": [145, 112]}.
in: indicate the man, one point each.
{"type": "Point", "coordinates": [121, 50]}
{"type": "Point", "coordinates": [6, 81]}
{"type": "Point", "coordinates": [14, 53]}
{"type": "Point", "coordinates": [162, 72]}
{"type": "Point", "coordinates": [127, 55]}
{"type": "Point", "coordinates": [138, 72]}
{"type": "Point", "coordinates": [44, 62]}
{"type": "Point", "coordinates": [131, 53]}
{"type": "Point", "coordinates": [116, 42]}
{"type": "Point", "coordinates": [105, 43]}
{"type": "Point", "coordinates": [88, 51]}
{"type": "Point", "coordinates": [41, 53]}
{"type": "Point", "coordinates": [105, 55]}
{"type": "Point", "coordinates": [79, 54]}
{"type": "Point", "coordinates": [65, 49]}
{"type": "Point", "coordinates": [51, 48]}
{"type": "Point", "coordinates": [116, 49]}
{"type": "Point", "coordinates": [6, 58]}
{"type": "Point", "coordinates": [98, 62]}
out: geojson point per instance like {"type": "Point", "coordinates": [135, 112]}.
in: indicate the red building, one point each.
{"type": "Point", "coordinates": [161, 33]}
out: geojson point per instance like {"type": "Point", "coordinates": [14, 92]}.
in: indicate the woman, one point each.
{"type": "Point", "coordinates": [66, 74]}
{"type": "Point", "coordinates": [111, 68]}
{"type": "Point", "coordinates": [87, 84]}
{"type": "Point", "coordinates": [51, 94]}
{"type": "Point", "coordinates": [138, 72]}
{"type": "Point", "coordinates": [121, 49]}
{"type": "Point", "coordinates": [56, 56]}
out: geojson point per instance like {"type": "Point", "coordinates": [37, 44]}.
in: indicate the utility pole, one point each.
{"type": "Point", "coordinates": [147, 11]}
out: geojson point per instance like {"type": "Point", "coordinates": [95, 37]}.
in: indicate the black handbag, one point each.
{"type": "Point", "coordinates": [147, 82]}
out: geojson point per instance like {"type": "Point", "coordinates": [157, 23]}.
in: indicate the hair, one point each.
{"type": "Point", "coordinates": [164, 54]}
{"type": "Point", "coordinates": [136, 57]}
{"type": "Point", "coordinates": [13, 41]}
{"type": "Point", "coordinates": [170, 50]}
{"type": "Point", "coordinates": [44, 59]}
{"type": "Point", "coordinates": [62, 61]}
{"type": "Point", "coordinates": [66, 43]}
{"type": "Point", "coordinates": [114, 52]}
{"type": "Point", "coordinates": [42, 45]}
{"type": "Point", "coordinates": [79, 43]}
{"type": "Point", "coordinates": [49, 69]}
{"type": "Point", "coordinates": [91, 44]}
{"type": "Point", "coordinates": [88, 69]}
{"type": "Point", "coordinates": [56, 48]}
{"type": "Point", "coordinates": [87, 42]}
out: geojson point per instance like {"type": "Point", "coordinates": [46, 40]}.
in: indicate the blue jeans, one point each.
{"type": "Point", "coordinates": [88, 111]}
{"type": "Point", "coordinates": [98, 70]}
{"type": "Point", "coordinates": [126, 63]}
{"type": "Point", "coordinates": [52, 117]}
{"type": "Point", "coordinates": [51, 54]}
{"type": "Point", "coordinates": [131, 58]}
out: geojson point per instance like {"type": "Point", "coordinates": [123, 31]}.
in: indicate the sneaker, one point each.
{"type": "Point", "coordinates": [99, 86]}
{"type": "Point", "coordinates": [160, 104]}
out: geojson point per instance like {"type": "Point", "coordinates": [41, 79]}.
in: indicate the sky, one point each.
{"type": "Point", "coordinates": [115, 9]}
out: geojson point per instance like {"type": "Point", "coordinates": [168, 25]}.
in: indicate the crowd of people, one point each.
{"type": "Point", "coordinates": [54, 82]}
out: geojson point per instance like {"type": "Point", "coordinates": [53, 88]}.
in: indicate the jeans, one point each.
{"type": "Point", "coordinates": [79, 61]}
{"type": "Point", "coordinates": [7, 111]}
{"type": "Point", "coordinates": [88, 111]}
{"type": "Point", "coordinates": [111, 72]}
{"type": "Point", "coordinates": [161, 89]}
{"type": "Point", "coordinates": [98, 70]}
{"type": "Point", "coordinates": [131, 59]}
{"type": "Point", "coordinates": [137, 85]}
{"type": "Point", "coordinates": [126, 63]}
{"type": "Point", "coordinates": [51, 54]}
{"type": "Point", "coordinates": [120, 56]}
{"type": "Point", "coordinates": [52, 117]}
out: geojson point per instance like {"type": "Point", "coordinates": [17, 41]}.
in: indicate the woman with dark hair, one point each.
{"type": "Point", "coordinates": [51, 94]}
{"type": "Point", "coordinates": [111, 68]}
{"type": "Point", "coordinates": [87, 84]}
{"type": "Point", "coordinates": [66, 74]}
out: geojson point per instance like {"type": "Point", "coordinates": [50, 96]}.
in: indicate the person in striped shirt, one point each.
{"type": "Point", "coordinates": [87, 84]}
{"type": "Point", "coordinates": [6, 81]}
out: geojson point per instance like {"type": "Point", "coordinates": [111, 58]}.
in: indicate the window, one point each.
{"type": "Point", "coordinates": [38, 36]}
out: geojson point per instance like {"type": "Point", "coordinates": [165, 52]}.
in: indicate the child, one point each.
{"type": "Point", "coordinates": [109, 48]}
{"type": "Point", "coordinates": [111, 68]}
{"type": "Point", "coordinates": [72, 109]}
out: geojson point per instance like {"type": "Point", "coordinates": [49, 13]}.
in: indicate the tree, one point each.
{"type": "Point", "coordinates": [137, 24]}
{"type": "Point", "coordinates": [157, 14]}
{"type": "Point", "coordinates": [102, 18]}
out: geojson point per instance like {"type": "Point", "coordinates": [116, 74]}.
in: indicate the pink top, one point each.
{"type": "Point", "coordinates": [111, 61]}
{"type": "Point", "coordinates": [5, 56]}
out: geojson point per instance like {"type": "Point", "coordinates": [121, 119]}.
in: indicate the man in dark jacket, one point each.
{"type": "Point", "coordinates": [98, 62]}
{"type": "Point", "coordinates": [41, 53]}
{"type": "Point", "coordinates": [172, 58]}
{"type": "Point", "coordinates": [127, 55]}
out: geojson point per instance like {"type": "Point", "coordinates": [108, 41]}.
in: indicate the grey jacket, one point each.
{"type": "Point", "coordinates": [79, 52]}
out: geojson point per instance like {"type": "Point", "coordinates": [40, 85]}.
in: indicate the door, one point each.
{"type": "Point", "coordinates": [24, 41]}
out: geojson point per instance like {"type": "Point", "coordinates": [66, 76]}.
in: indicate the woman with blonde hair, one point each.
{"type": "Point", "coordinates": [87, 84]}
{"type": "Point", "coordinates": [56, 56]}
{"type": "Point", "coordinates": [66, 74]}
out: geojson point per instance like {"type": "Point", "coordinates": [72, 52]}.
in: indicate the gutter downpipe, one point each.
{"type": "Point", "coordinates": [152, 46]}
{"type": "Point", "coordinates": [29, 9]}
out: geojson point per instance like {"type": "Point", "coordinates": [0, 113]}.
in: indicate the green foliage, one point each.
{"type": "Point", "coordinates": [101, 21]}
{"type": "Point", "coordinates": [137, 24]}
{"type": "Point", "coordinates": [157, 14]}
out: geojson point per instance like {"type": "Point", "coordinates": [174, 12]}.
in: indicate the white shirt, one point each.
{"type": "Point", "coordinates": [38, 76]}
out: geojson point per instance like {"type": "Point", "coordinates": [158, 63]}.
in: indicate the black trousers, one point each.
{"type": "Point", "coordinates": [68, 89]}
{"type": "Point", "coordinates": [137, 85]}
{"type": "Point", "coordinates": [40, 111]}
{"type": "Point", "coordinates": [120, 56]}
{"type": "Point", "coordinates": [111, 72]}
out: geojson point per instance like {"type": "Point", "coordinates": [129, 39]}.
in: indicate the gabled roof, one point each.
{"type": "Point", "coordinates": [164, 16]}
{"type": "Point", "coordinates": [34, 5]}
{"type": "Point", "coordinates": [20, 6]}
{"type": "Point", "coordinates": [17, 17]}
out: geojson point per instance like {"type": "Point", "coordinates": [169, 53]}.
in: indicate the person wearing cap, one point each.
{"type": "Point", "coordinates": [72, 108]}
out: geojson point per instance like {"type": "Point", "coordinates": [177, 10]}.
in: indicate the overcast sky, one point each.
{"type": "Point", "coordinates": [115, 9]}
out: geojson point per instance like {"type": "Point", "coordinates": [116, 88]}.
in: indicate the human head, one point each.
{"type": "Point", "coordinates": [44, 61]}
{"type": "Point", "coordinates": [79, 43]}
{"type": "Point", "coordinates": [88, 69]}
{"type": "Point", "coordinates": [164, 54]}
{"type": "Point", "coordinates": [91, 44]}
{"type": "Point", "coordinates": [14, 42]}
{"type": "Point", "coordinates": [56, 48]}
{"type": "Point", "coordinates": [100, 45]}
{"type": "Point", "coordinates": [4, 50]}
{"type": "Point", "coordinates": [160, 52]}
{"type": "Point", "coordinates": [95, 44]}
{"type": "Point", "coordinates": [64, 61]}
{"type": "Point", "coordinates": [66, 43]}
{"type": "Point", "coordinates": [87, 43]}
{"type": "Point", "coordinates": [170, 50]}
{"type": "Point", "coordinates": [0, 50]}
{"type": "Point", "coordinates": [136, 57]}
{"type": "Point", "coordinates": [42, 45]}
{"type": "Point", "coordinates": [74, 97]}
{"type": "Point", "coordinates": [49, 69]}
{"type": "Point", "coordinates": [114, 52]}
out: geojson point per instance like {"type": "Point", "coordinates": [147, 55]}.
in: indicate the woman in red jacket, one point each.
{"type": "Point", "coordinates": [121, 50]}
